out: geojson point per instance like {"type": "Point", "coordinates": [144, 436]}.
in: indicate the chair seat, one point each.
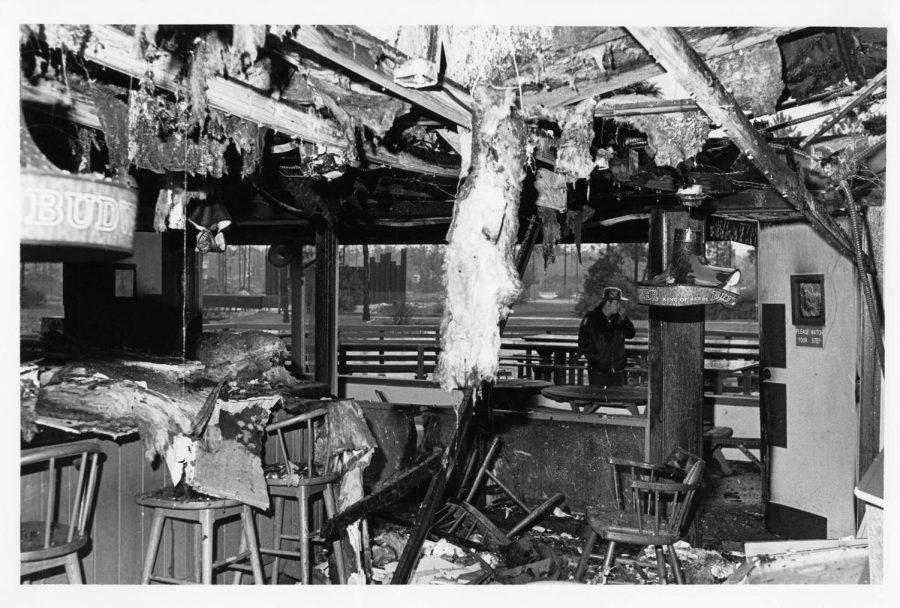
{"type": "Point", "coordinates": [276, 475]}
{"type": "Point", "coordinates": [32, 541]}
{"type": "Point", "coordinates": [169, 498]}
{"type": "Point", "coordinates": [611, 524]}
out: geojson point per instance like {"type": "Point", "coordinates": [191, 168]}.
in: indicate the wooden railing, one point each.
{"type": "Point", "coordinates": [223, 301]}
{"type": "Point", "coordinates": [381, 350]}
{"type": "Point", "coordinates": [412, 351]}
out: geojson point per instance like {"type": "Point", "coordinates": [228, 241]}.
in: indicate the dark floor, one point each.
{"type": "Point", "coordinates": [730, 514]}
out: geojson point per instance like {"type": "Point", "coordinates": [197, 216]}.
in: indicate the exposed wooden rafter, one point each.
{"type": "Point", "coordinates": [114, 49]}
{"type": "Point", "coordinates": [79, 108]}
{"type": "Point", "coordinates": [708, 46]}
{"type": "Point", "coordinates": [321, 41]}
{"type": "Point", "coordinates": [673, 52]}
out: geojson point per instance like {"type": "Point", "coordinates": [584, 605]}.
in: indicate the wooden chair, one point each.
{"type": "Point", "coordinates": [51, 543]}
{"type": "Point", "coordinates": [172, 503]}
{"type": "Point", "coordinates": [657, 513]}
{"type": "Point", "coordinates": [674, 469]}
{"type": "Point", "coordinates": [301, 480]}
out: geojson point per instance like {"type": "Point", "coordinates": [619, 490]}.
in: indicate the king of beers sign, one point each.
{"type": "Point", "coordinates": [77, 211]}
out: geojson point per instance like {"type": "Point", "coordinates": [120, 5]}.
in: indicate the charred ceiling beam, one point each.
{"type": "Point", "coordinates": [322, 42]}
{"type": "Point", "coordinates": [708, 45]}
{"type": "Point", "coordinates": [114, 49]}
{"type": "Point", "coordinates": [80, 109]}
{"type": "Point", "coordinates": [674, 53]}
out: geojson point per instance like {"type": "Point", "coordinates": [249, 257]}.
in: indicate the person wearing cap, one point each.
{"type": "Point", "coordinates": [601, 338]}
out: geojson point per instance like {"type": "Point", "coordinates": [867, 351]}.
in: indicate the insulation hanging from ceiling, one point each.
{"type": "Point", "coordinates": [479, 269]}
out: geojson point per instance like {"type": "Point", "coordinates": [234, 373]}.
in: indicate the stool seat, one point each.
{"type": "Point", "coordinates": [169, 498]}
{"type": "Point", "coordinates": [32, 541]}
{"type": "Point", "coordinates": [191, 506]}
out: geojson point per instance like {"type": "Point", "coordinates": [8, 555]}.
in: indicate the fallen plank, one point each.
{"type": "Point", "coordinates": [382, 497]}
{"type": "Point", "coordinates": [434, 497]}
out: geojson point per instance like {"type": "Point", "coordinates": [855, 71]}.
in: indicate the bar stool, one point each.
{"type": "Point", "coordinates": [300, 481]}
{"type": "Point", "coordinates": [206, 511]}
{"type": "Point", "coordinates": [50, 543]}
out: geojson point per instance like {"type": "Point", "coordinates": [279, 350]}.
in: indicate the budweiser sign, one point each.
{"type": "Point", "coordinates": [77, 211]}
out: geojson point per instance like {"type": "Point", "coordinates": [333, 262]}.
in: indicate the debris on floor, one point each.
{"type": "Point", "coordinates": [842, 561]}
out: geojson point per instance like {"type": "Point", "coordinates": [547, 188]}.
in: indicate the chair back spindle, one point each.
{"type": "Point", "coordinates": [56, 534]}
{"type": "Point", "coordinates": [305, 423]}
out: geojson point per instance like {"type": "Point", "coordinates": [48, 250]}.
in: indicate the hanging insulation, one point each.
{"type": "Point", "coordinates": [479, 270]}
{"type": "Point", "coordinates": [574, 158]}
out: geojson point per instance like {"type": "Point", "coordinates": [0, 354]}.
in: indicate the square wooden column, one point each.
{"type": "Point", "coordinates": [677, 333]}
{"type": "Point", "coordinates": [298, 305]}
{"type": "Point", "coordinates": [326, 308]}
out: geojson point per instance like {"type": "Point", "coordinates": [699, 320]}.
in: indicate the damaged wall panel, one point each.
{"type": "Point", "coordinates": [479, 271]}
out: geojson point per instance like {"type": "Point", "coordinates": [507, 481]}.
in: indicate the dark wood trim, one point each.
{"type": "Point", "coordinates": [298, 299]}
{"type": "Point", "coordinates": [326, 307]}
{"type": "Point", "coordinates": [795, 524]}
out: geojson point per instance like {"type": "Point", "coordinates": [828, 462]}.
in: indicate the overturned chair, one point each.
{"type": "Point", "coordinates": [652, 510]}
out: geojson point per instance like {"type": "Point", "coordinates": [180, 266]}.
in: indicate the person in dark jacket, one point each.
{"type": "Point", "coordinates": [601, 338]}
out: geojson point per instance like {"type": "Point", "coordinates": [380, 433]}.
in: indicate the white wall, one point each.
{"type": "Point", "coordinates": [817, 470]}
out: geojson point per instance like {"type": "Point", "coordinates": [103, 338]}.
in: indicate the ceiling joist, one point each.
{"type": "Point", "coordinates": [320, 41]}
{"type": "Point", "coordinates": [673, 53]}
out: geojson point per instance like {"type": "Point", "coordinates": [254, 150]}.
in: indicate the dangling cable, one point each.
{"type": "Point", "coordinates": [864, 277]}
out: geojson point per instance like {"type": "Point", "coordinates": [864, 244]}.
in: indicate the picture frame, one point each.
{"type": "Point", "coordinates": [808, 299]}
{"type": "Point", "coordinates": [125, 281]}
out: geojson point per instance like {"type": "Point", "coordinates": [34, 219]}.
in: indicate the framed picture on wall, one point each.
{"type": "Point", "coordinates": [126, 281]}
{"type": "Point", "coordinates": [808, 299]}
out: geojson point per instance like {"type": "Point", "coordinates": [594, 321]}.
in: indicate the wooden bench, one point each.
{"type": "Point", "coordinates": [719, 437]}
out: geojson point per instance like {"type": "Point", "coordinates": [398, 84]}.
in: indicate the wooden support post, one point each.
{"type": "Point", "coordinates": [180, 293]}
{"type": "Point", "coordinates": [326, 307]}
{"type": "Point", "coordinates": [675, 407]}
{"type": "Point", "coordinates": [675, 361]}
{"type": "Point", "coordinates": [298, 297]}
{"type": "Point", "coordinates": [366, 313]}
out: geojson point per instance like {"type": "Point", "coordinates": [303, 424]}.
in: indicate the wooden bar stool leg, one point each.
{"type": "Point", "coordinates": [303, 506]}
{"type": "Point", "coordinates": [206, 546]}
{"type": "Point", "coordinates": [585, 556]}
{"type": "Point", "coordinates": [239, 574]}
{"type": "Point", "coordinates": [337, 545]}
{"type": "Point", "coordinates": [197, 554]}
{"type": "Point", "coordinates": [660, 565]}
{"type": "Point", "coordinates": [609, 560]}
{"type": "Point", "coordinates": [156, 531]}
{"type": "Point", "coordinates": [279, 522]}
{"type": "Point", "coordinates": [252, 545]}
{"type": "Point", "coordinates": [73, 569]}
{"type": "Point", "coordinates": [676, 566]}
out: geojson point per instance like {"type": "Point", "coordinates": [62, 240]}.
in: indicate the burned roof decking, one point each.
{"type": "Point", "coordinates": [403, 187]}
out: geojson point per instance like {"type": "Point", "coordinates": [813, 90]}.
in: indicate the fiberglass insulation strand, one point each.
{"type": "Point", "coordinates": [479, 268]}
